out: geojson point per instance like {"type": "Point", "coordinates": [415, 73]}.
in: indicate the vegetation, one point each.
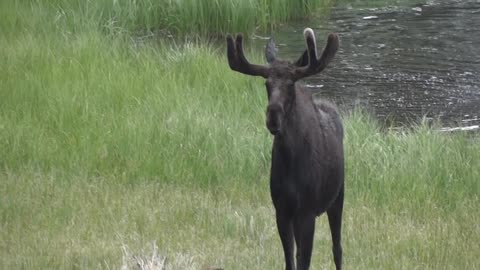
{"type": "Point", "coordinates": [192, 17]}
{"type": "Point", "coordinates": [110, 144]}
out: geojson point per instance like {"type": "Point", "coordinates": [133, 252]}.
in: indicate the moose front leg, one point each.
{"type": "Point", "coordinates": [285, 229]}
{"type": "Point", "coordinates": [304, 226]}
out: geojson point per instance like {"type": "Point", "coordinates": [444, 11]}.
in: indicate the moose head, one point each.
{"type": "Point", "coordinates": [281, 75]}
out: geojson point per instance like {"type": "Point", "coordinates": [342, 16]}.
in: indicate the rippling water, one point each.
{"type": "Point", "coordinates": [402, 63]}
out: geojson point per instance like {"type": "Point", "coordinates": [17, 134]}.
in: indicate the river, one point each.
{"type": "Point", "coordinates": [402, 63]}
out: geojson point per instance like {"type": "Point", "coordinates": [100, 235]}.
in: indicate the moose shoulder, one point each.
{"type": "Point", "coordinates": [307, 170]}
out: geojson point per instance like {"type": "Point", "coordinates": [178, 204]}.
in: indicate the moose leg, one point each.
{"type": "Point", "coordinates": [298, 236]}
{"type": "Point", "coordinates": [335, 221]}
{"type": "Point", "coordinates": [304, 232]}
{"type": "Point", "coordinates": [285, 229]}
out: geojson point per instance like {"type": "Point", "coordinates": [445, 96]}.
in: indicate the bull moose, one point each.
{"type": "Point", "coordinates": [307, 169]}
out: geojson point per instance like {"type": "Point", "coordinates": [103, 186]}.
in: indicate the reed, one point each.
{"type": "Point", "coordinates": [204, 19]}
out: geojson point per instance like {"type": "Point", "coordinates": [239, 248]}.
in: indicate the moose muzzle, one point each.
{"type": "Point", "coordinates": [275, 115]}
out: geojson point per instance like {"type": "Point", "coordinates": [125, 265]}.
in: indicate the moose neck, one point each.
{"type": "Point", "coordinates": [297, 135]}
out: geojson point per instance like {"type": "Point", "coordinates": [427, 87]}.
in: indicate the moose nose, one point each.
{"type": "Point", "coordinates": [274, 118]}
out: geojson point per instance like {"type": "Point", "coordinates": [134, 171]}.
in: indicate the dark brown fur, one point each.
{"type": "Point", "coordinates": [307, 170]}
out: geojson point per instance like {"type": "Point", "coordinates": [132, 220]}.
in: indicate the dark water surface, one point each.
{"type": "Point", "coordinates": [402, 63]}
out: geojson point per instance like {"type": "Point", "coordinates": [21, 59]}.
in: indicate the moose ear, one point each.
{"type": "Point", "coordinates": [270, 51]}
{"type": "Point", "coordinates": [303, 60]}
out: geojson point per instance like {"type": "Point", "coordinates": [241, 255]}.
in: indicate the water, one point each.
{"type": "Point", "coordinates": [402, 63]}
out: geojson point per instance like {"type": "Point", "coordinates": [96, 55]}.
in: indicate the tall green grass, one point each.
{"type": "Point", "coordinates": [95, 106]}
{"type": "Point", "coordinates": [110, 145]}
{"type": "Point", "coordinates": [211, 18]}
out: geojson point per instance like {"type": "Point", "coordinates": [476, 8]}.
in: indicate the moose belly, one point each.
{"type": "Point", "coordinates": [309, 193]}
{"type": "Point", "coordinates": [302, 195]}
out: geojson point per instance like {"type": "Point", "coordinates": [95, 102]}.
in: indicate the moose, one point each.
{"type": "Point", "coordinates": [307, 169]}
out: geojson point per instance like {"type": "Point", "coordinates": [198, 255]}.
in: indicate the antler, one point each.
{"type": "Point", "coordinates": [316, 64]}
{"type": "Point", "coordinates": [237, 60]}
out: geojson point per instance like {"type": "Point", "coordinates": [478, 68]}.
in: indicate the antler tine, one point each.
{"type": "Point", "coordinates": [316, 64]}
{"type": "Point", "coordinates": [329, 52]}
{"type": "Point", "coordinates": [232, 53]}
{"type": "Point", "coordinates": [238, 61]}
{"type": "Point", "coordinates": [311, 47]}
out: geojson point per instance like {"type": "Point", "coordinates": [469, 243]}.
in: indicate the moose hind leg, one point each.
{"type": "Point", "coordinates": [304, 232]}
{"type": "Point", "coordinates": [285, 229]}
{"type": "Point", "coordinates": [335, 221]}
{"type": "Point", "coordinates": [298, 234]}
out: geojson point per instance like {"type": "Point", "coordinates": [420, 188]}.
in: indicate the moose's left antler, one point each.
{"type": "Point", "coordinates": [316, 64]}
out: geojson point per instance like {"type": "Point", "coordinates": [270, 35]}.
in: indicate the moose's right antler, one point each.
{"type": "Point", "coordinates": [237, 60]}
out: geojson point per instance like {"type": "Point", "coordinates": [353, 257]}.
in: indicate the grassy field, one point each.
{"type": "Point", "coordinates": [115, 150]}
